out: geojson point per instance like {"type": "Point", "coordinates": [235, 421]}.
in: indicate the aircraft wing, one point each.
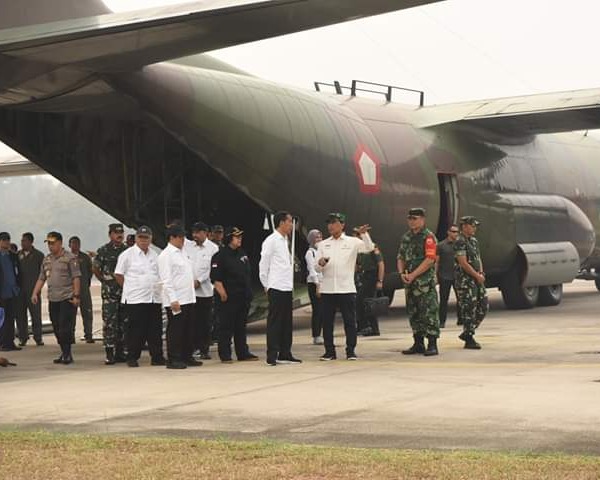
{"type": "Point", "coordinates": [517, 117]}
{"type": "Point", "coordinates": [118, 42]}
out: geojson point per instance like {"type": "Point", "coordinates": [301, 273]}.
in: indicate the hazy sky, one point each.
{"type": "Point", "coordinates": [456, 50]}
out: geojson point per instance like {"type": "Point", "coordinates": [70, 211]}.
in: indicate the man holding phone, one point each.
{"type": "Point", "coordinates": [337, 261]}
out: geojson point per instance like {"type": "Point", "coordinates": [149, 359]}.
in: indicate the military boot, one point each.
{"type": "Point", "coordinates": [418, 346]}
{"type": "Point", "coordinates": [431, 346]}
{"type": "Point", "coordinates": [110, 356]}
{"type": "Point", "coordinates": [120, 356]}
{"type": "Point", "coordinates": [471, 344]}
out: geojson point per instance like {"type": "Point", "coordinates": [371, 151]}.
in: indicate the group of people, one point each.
{"type": "Point", "coordinates": [198, 281]}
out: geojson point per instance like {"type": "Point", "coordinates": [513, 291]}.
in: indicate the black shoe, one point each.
{"type": "Point", "coordinates": [132, 363]}
{"type": "Point", "coordinates": [176, 365]}
{"type": "Point", "coordinates": [22, 343]}
{"type": "Point", "coordinates": [443, 325]}
{"type": "Point", "coordinates": [120, 356]}
{"type": "Point", "coordinates": [39, 343]}
{"type": "Point", "coordinates": [290, 359]}
{"type": "Point", "coordinates": [463, 336]}
{"type": "Point", "coordinates": [227, 360]}
{"type": "Point", "coordinates": [471, 344]}
{"type": "Point", "coordinates": [431, 346]}
{"type": "Point", "coordinates": [351, 356]}
{"type": "Point", "coordinates": [418, 346]}
{"type": "Point", "coordinates": [205, 356]}
{"type": "Point", "coordinates": [58, 360]}
{"type": "Point", "coordinates": [110, 356]}
{"type": "Point", "coordinates": [249, 357]}
{"type": "Point", "coordinates": [11, 348]}
{"type": "Point", "coordinates": [192, 362]}
{"type": "Point", "coordinates": [67, 359]}
{"type": "Point", "coordinates": [90, 340]}
{"type": "Point", "coordinates": [271, 362]}
{"type": "Point", "coordinates": [155, 362]}
{"type": "Point", "coordinates": [328, 357]}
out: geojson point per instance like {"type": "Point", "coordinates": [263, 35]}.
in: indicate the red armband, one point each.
{"type": "Point", "coordinates": [430, 248]}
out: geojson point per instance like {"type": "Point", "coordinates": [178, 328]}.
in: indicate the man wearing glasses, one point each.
{"type": "Point", "coordinates": [445, 270]}
{"type": "Point", "coordinates": [416, 266]}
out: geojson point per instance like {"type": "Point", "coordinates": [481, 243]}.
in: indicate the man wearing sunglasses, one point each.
{"type": "Point", "coordinates": [445, 270]}
{"type": "Point", "coordinates": [416, 266]}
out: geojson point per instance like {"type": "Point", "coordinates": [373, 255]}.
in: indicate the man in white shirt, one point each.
{"type": "Point", "coordinates": [337, 261]}
{"type": "Point", "coordinates": [179, 298]}
{"type": "Point", "coordinates": [137, 274]}
{"type": "Point", "coordinates": [204, 250]}
{"type": "Point", "coordinates": [276, 273]}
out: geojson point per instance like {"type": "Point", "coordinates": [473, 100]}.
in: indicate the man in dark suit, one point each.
{"type": "Point", "coordinates": [9, 292]}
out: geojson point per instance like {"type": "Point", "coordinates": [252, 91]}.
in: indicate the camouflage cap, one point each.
{"type": "Point", "coordinates": [233, 232]}
{"type": "Point", "coordinates": [4, 236]}
{"type": "Point", "coordinates": [116, 228]}
{"type": "Point", "coordinates": [217, 229]}
{"type": "Point", "coordinates": [469, 220]}
{"type": "Point", "coordinates": [144, 230]}
{"type": "Point", "coordinates": [416, 212]}
{"type": "Point", "coordinates": [53, 237]}
{"type": "Point", "coordinates": [332, 217]}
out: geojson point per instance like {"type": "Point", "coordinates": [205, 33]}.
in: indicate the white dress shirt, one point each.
{"type": "Point", "coordinates": [142, 282]}
{"type": "Point", "coordinates": [176, 275]}
{"type": "Point", "coordinates": [202, 262]}
{"type": "Point", "coordinates": [338, 273]}
{"type": "Point", "coordinates": [276, 269]}
{"type": "Point", "coordinates": [311, 266]}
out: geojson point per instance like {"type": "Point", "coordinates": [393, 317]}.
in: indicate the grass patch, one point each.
{"type": "Point", "coordinates": [51, 456]}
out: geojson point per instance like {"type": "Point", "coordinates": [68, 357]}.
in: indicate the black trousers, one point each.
{"type": "Point", "coordinates": [279, 325]}
{"type": "Point", "coordinates": [445, 286]}
{"type": "Point", "coordinates": [24, 305]}
{"type": "Point", "coordinates": [346, 302]}
{"type": "Point", "coordinates": [367, 289]}
{"type": "Point", "coordinates": [87, 312]}
{"type": "Point", "coordinates": [202, 337]}
{"type": "Point", "coordinates": [62, 316]}
{"type": "Point", "coordinates": [7, 333]}
{"type": "Point", "coordinates": [316, 321]}
{"type": "Point", "coordinates": [233, 315]}
{"type": "Point", "coordinates": [144, 324]}
{"type": "Point", "coordinates": [180, 332]}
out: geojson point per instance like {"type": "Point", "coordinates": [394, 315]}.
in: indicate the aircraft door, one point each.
{"type": "Point", "coordinates": [449, 203]}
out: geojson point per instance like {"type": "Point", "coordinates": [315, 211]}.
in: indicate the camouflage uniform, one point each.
{"type": "Point", "coordinates": [471, 297]}
{"type": "Point", "coordinates": [113, 314]}
{"type": "Point", "coordinates": [421, 295]}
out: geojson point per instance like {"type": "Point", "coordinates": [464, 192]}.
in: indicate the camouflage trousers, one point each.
{"type": "Point", "coordinates": [113, 322]}
{"type": "Point", "coordinates": [422, 308]}
{"type": "Point", "coordinates": [472, 304]}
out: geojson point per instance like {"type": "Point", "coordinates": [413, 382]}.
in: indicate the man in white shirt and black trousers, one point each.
{"type": "Point", "coordinates": [337, 260]}
{"type": "Point", "coordinates": [276, 272]}
{"type": "Point", "coordinates": [203, 252]}
{"type": "Point", "coordinates": [137, 273]}
{"type": "Point", "coordinates": [179, 299]}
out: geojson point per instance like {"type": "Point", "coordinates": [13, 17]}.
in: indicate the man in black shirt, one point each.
{"type": "Point", "coordinates": [445, 270]}
{"type": "Point", "coordinates": [230, 273]}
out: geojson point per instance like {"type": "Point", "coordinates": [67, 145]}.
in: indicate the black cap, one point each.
{"type": "Point", "coordinates": [53, 237]}
{"type": "Point", "coordinates": [332, 217]}
{"type": "Point", "coordinates": [233, 232]}
{"type": "Point", "coordinates": [199, 227]}
{"type": "Point", "coordinates": [217, 228]}
{"type": "Point", "coordinates": [116, 228]}
{"type": "Point", "coordinates": [469, 220]}
{"type": "Point", "coordinates": [4, 236]}
{"type": "Point", "coordinates": [175, 230]}
{"type": "Point", "coordinates": [144, 230]}
{"type": "Point", "coordinates": [416, 212]}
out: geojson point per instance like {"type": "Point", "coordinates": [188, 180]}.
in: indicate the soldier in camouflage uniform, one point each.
{"type": "Point", "coordinates": [469, 281]}
{"type": "Point", "coordinates": [416, 262]}
{"type": "Point", "coordinates": [113, 314]}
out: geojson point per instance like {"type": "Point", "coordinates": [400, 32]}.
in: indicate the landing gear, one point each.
{"type": "Point", "coordinates": [515, 295]}
{"type": "Point", "coordinates": [551, 295]}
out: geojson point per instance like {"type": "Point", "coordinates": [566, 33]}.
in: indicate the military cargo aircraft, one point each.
{"type": "Point", "coordinates": [110, 105]}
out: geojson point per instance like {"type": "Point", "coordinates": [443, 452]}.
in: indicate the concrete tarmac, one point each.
{"type": "Point", "coordinates": [535, 386]}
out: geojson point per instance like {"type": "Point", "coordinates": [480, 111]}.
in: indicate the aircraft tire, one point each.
{"type": "Point", "coordinates": [550, 295]}
{"type": "Point", "coordinates": [516, 296]}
